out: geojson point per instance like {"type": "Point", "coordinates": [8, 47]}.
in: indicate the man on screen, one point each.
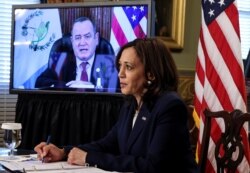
{"type": "Point", "coordinates": [83, 67]}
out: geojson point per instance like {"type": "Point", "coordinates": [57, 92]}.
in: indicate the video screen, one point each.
{"type": "Point", "coordinates": [72, 47]}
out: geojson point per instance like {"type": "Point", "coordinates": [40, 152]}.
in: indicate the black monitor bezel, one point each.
{"type": "Point", "coordinates": [150, 29]}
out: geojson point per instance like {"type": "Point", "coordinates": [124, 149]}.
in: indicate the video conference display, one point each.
{"type": "Point", "coordinates": [43, 58]}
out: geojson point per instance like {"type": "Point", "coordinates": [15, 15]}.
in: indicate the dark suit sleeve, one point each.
{"type": "Point", "coordinates": [162, 143]}
{"type": "Point", "coordinates": [48, 78]}
{"type": "Point", "coordinates": [108, 144]}
{"type": "Point", "coordinates": [66, 71]}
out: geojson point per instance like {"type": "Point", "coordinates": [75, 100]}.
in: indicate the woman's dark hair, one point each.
{"type": "Point", "coordinates": [158, 62]}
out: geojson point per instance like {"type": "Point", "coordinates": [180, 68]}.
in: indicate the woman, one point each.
{"type": "Point", "coordinates": [151, 135]}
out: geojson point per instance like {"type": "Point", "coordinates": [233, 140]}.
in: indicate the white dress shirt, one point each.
{"type": "Point", "coordinates": [88, 68]}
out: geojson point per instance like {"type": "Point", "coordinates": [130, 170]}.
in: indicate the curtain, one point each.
{"type": "Point", "coordinates": [69, 119]}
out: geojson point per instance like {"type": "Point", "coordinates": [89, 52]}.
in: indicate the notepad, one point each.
{"type": "Point", "coordinates": [31, 166]}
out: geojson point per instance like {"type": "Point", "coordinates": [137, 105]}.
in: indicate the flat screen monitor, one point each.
{"type": "Point", "coordinates": [45, 52]}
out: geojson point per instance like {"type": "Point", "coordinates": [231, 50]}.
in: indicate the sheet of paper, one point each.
{"type": "Point", "coordinates": [17, 158]}
{"type": "Point", "coordinates": [34, 165]}
{"type": "Point", "coordinates": [37, 165]}
{"type": "Point", "coordinates": [82, 170]}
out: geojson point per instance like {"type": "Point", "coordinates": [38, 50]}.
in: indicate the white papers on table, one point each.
{"type": "Point", "coordinates": [35, 165]}
{"type": "Point", "coordinates": [18, 158]}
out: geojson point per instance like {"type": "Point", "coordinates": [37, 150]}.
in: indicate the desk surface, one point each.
{"type": "Point", "coordinates": [5, 151]}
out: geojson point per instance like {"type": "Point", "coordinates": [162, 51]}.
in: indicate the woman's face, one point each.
{"type": "Point", "coordinates": [131, 73]}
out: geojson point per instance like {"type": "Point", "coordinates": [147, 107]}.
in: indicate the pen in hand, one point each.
{"type": "Point", "coordinates": [47, 143]}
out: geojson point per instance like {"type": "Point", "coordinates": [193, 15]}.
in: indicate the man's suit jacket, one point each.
{"type": "Point", "coordinates": [158, 142]}
{"type": "Point", "coordinates": [62, 69]}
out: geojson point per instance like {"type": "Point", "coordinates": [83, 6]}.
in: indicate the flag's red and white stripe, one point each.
{"type": "Point", "coordinates": [219, 78]}
{"type": "Point", "coordinates": [122, 31]}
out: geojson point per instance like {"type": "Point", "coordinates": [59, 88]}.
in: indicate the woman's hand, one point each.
{"type": "Point", "coordinates": [77, 157]}
{"type": "Point", "coordinates": [49, 153]}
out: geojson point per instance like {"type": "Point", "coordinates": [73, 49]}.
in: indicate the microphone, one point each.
{"type": "Point", "coordinates": [98, 80]}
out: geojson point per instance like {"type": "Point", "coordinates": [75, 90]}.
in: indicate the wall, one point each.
{"type": "Point", "coordinates": [186, 59]}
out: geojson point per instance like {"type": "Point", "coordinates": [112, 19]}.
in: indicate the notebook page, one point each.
{"type": "Point", "coordinates": [81, 170]}
{"type": "Point", "coordinates": [38, 165]}
{"type": "Point", "coordinates": [34, 165]}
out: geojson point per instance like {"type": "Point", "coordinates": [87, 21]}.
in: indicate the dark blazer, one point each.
{"type": "Point", "coordinates": [62, 69]}
{"type": "Point", "coordinates": [158, 142]}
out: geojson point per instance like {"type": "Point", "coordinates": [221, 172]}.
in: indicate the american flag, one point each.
{"type": "Point", "coordinates": [219, 78]}
{"type": "Point", "coordinates": [128, 23]}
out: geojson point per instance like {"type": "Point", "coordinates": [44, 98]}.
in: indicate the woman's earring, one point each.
{"type": "Point", "coordinates": [149, 82]}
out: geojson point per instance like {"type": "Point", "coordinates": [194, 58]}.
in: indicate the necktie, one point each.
{"type": "Point", "coordinates": [84, 75]}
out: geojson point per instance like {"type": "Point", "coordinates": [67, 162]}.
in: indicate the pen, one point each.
{"type": "Point", "coordinates": [47, 143]}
